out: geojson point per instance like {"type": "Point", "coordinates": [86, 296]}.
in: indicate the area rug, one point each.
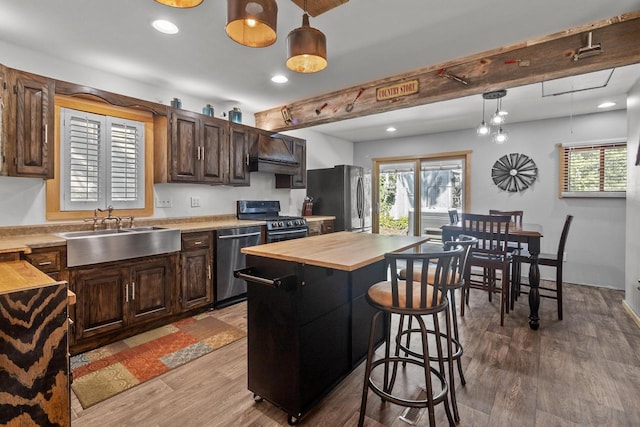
{"type": "Point", "coordinates": [104, 372]}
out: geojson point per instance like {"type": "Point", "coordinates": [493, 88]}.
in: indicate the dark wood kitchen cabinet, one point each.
{"type": "Point", "coordinates": [196, 270]}
{"type": "Point", "coordinates": [240, 138]}
{"type": "Point", "coordinates": [198, 147]}
{"type": "Point", "coordinates": [114, 298]}
{"type": "Point", "coordinates": [298, 147]}
{"type": "Point", "coordinates": [28, 124]}
{"type": "Point", "coordinates": [320, 227]}
{"type": "Point", "coordinates": [51, 260]}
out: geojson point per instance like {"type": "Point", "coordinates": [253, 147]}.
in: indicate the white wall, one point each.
{"type": "Point", "coordinates": [23, 199]}
{"type": "Point", "coordinates": [595, 246]}
{"type": "Point", "coordinates": [632, 271]}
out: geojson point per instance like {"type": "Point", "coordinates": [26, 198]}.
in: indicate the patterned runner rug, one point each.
{"type": "Point", "coordinates": [106, 371]}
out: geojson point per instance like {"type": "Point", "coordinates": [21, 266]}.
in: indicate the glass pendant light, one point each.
{"type": "Point", "coordinates": [483, 128]}
{"type": "Point", "coordinates": [307, 48]}
{"type": "Point", "coordinates": [180, 3]}
{"type": "Point", "coordinates": [252, 22]}
{"type": "Point", "coordinates": [498, 117]}
{"type": "Point", "coordinates": [500, 137]}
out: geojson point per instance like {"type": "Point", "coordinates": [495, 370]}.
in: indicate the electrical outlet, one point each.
{"type": "Point", "coordinates": [163, 203]}
{"type": "Point", "coordinates": [195, 202]}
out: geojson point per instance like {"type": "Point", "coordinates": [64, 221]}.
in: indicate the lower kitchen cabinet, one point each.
{"type": "Point", "coordinates": [115, 297]}
{"type": "Point", "coordinates": [320, 227]}
{"type": "Point", "coordinates": [196, 270]}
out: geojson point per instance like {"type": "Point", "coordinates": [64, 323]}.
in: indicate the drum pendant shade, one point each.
{"type": "Point", "coordinates": [307, 48]}
{"type": "Point", "coordinates": [180, 3]}
{"type": "Point", "coordinates": [252, 22]}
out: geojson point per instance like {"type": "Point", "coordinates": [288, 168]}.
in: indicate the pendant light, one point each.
{"type": "Point", "coordinates": [500, 137]}
{"type": "Point", "coordinates": [252, 22]}
{"type": "Point", "coordinates": [180, 3]}
{"type": "Point", "coordinates": [483, 129]}
{"type": "Point", "coordinates": [307, 48]}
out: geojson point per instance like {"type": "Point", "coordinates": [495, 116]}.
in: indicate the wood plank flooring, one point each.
{"type": "Point", "coordinates": [582, 371]}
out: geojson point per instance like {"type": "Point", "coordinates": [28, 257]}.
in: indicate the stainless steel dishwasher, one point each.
{"type": "Point", "coordinates": [229, 258]}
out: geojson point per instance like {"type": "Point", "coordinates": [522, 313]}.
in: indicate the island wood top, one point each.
{"type": "Point", "coordinates": [343, 250]}
{"type": "Point", "coordinates": [20, 275]}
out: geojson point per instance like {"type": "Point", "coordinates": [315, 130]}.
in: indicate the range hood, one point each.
{"type": "Point", "coordinates": [269, 154]}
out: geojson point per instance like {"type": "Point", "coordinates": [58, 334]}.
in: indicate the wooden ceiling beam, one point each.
{"type": "Point", "coordinates": [534, 61]}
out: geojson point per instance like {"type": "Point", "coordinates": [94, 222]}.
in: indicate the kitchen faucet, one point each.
{"type": "Point", "coordinates": [106, 220]}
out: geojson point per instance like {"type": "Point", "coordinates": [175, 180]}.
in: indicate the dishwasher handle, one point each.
{"type": "Point", "coordinates": [248, 275]}
{"type": "Point", "coordinates": [238, 236]}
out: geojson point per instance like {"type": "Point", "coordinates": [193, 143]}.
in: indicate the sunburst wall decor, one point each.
{"type": "Point", "coordinates": [514, 172]}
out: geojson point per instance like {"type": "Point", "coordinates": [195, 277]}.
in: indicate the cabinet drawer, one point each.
{"type": "Point", "coordinates": [196, 241]}
{"type": "Point", "coordinates": [327, 227]}
{"type": "Point", "coordinates": [46, 262]}
{"type": "Point", "coordinates": [315, 228]}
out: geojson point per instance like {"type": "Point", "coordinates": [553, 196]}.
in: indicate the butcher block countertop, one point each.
{"type": "Point", "coordinates": [341, 251]}
{"type": "Point", "coordinates": [20, 275]}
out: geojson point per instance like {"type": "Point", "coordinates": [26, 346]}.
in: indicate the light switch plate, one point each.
{"type": "Point", "coordinates": [163, 203]}
{"type": "Point", "coordinates": [195, 202]}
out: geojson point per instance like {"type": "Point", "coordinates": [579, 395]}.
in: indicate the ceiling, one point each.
{"type": "Point", "coordinates": [366, 40]}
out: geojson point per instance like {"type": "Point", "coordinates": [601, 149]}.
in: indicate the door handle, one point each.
{"type": "Point", "coordinates": [126, 292]}
{"type": "Point", "coordinates": [133, 291]}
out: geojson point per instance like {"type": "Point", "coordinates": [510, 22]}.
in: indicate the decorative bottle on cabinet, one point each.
{"type": "Point", "coordinates": [235, 115]}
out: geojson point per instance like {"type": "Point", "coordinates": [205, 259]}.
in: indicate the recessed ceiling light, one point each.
{"type": "Point", "coordinates": [165, 26]}
{"type": "Point", "coordinates": [391, 129]}
{"type": "Point", "coordinates": [607, 104]}
{"type": "Point", "coordinates": [279, 78]}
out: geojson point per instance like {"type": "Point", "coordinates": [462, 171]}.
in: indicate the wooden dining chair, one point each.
{"type": "Point", "coordinates": [453, 216]}
{"type": "Point", "coordinates": [490, 254]}
{"type": "Point", "coordinates": [550, 260]}
{"type": "Point", "coordinates": [516, 220]}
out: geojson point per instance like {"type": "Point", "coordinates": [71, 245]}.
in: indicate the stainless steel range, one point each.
{"type": "Point", "coordinates": [279, 228]}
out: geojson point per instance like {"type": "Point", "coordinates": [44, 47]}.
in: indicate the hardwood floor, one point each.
{"type": "Point", "coordinates": [582, 371]}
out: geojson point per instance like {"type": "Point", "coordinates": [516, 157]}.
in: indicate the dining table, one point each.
{"type": "Point", "coordinates": [521, 233]}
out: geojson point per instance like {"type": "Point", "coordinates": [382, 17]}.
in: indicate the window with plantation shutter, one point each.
{"type": "Point", "coordinates": [597, 169]}
{"type": "Point", "coordinates": [102, 162]}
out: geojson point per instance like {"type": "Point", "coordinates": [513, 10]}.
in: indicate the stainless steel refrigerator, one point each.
{"type": "Point", "coordinates": [343, 191]}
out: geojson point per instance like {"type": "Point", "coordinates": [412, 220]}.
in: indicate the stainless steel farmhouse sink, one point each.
{"type": "Point", "coordinates": [97, 246]}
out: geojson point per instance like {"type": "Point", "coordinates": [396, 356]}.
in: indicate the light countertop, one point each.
{"type": "Point", "coordinates": [342, 250]}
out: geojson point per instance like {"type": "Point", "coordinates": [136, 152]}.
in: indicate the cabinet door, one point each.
{"type": "Point", "coordinates": [196, 287]}
{"type": "Point", "coordinates": [299, 180]}
{"type": "Point", "coordinates": [34, 125]}
{"type": "Point", "coordinates": [185, 148]}
{"type": "Point", "coordinates": [298, 148]}
{"type": "Point", "coordinates": [150, 290]}
{"type": "Point", "coordinates": [214, 150]}
{"type": "Point", "coordinates": [101, 300]}
{"type": "Point", "coordinates": [238, 155]}
{"type": "Point", "coordinates": [327, 226]}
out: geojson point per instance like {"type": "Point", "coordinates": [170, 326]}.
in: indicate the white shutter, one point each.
{"type": "Point", "coordinates": [82, 161]}
{"type": "Point", "coordinates": [126, 188]}
{"type": "Point", "coordinates": [102, 162]}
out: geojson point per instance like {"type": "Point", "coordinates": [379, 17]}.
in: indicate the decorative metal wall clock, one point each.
{"type": "Point", "coordinates": [514, 172]}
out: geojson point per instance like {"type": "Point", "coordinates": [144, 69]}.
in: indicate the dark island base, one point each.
{"type": "Point", "coordinates": [309, 333]}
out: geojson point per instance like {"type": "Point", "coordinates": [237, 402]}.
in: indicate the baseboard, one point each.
{"type": "Point", "coordinates": [631, 313]}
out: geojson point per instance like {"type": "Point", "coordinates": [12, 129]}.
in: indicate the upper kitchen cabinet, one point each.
{"type": "Point", "coordinates": [240, 139]}
{"type": "Point", "coordinates": [28, 124]}
{"type": "Point", "coordinates": [298, 148]}
{"type": "Point", "coordinates": [194, 148]}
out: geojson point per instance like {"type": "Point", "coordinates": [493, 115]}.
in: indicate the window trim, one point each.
{"type": "Point", "coordinates": [53, 211]}
{"type": "Point", "coordinates": [562, 178]}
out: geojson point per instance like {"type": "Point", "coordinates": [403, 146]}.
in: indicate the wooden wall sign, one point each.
{"type": "Point", "coordinates": [397, 90]}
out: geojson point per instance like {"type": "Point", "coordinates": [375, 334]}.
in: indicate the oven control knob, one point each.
{"type": "Point", "coordinates": [280, 223]}
{"type": "Point", "coordinates": [289, 223]}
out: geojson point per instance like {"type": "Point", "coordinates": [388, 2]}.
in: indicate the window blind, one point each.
{"type": "Point", "coordinates": [594, 170]}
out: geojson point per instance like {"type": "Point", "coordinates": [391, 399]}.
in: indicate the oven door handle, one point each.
{"type": "Point", "coordinates": [277, 233]}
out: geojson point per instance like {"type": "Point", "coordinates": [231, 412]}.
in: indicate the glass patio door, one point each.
{"type": "Point", "coordinates": [440, 182]}
{"type": "Point", "coordinates": [396, 191]}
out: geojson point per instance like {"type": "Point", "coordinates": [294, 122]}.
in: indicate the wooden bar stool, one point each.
{"type": "Point", "coordinates": [466, 242]}
{"type": "Point", "coordinates": [418, 299]}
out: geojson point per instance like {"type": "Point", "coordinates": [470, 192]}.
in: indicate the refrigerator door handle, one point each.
{"type": "Point", "coordinates": [360, 197]}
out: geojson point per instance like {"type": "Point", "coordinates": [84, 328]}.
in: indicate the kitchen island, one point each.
{"type": "Point", "coordinates": [308, 319]}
